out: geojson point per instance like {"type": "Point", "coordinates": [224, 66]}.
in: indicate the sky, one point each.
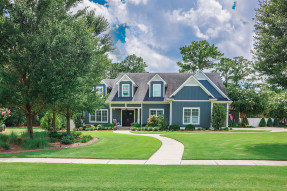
{"type": "Point", "coordinates": [156, 29]}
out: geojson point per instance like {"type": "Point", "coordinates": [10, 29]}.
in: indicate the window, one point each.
{"type": "Point", "coordinates": [156, 90]}
{"type": "Point", "coordinates": [100, 90]}
{"type": "Point", "coordinates": [156, 112]}
{"type": "Point", "coordinates": [99, 116]}
{"type": "Point", "coordinates": [125, 90]}
{"type": "Point", "coordinates": [191, 116]}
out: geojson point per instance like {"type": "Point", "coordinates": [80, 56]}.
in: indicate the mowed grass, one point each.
{"type": "Point", "coordinates": [27, 176]}
{"type": "Point", "coordinates": [233, 145]}
{"type": "Point", "coordinates": [109, 146]}
{"type": "Point", "coordinates": [186, 132]}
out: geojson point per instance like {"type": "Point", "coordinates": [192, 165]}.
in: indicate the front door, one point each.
{"type": "Point", "coordinates": [127, 117]}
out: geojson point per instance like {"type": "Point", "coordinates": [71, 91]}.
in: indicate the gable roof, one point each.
{"type": "Point", "coordinates": [173, 80]}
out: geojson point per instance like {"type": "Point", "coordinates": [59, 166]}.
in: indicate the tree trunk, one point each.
{"type": "Point", "coordinates": [54, 121]}
{"type": "Point", "coordinates": [29, 119]}
{"type": "Point", "coordinates": [243, 120]}
{"type": "Point", "coordinates": [68, 116]}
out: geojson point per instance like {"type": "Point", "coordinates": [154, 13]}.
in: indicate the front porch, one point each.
{"type": "Point", "coordinates": [125, 116]}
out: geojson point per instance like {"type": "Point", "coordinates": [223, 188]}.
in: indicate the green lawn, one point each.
{"type": "Point", "coordinates": [233, 145]}
{"type": "Point", "coordinates": [181, 132]}
{"type": "Point", "coordinates": [27, 176]}
{"type": "Point", "coordinates": [109, 146]}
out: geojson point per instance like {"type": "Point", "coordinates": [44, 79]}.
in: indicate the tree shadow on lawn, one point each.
{"type": "Point", "coordinates": [269, 151]}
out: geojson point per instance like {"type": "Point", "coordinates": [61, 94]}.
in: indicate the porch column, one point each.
{"type": "Point", "coordinates": [227, 112]}
{"type": "Point", "coordinates": [211, 114]}
{"type": "Point", "coordinates": [138, 118]}
{"type": "Point", "coordinates": [111, 115]}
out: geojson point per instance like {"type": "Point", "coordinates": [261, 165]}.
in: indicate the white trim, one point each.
{"type": "Point", "coordinates": [211, 82]}
{"type": "Point", "coordinates": [156, 109]}
{"type": "Point", "coordinates": [211, 114]}
{"type": "Point", "coordinates": [128, 90]}
{"type": "Point", "coordinates": [164, 82]}
{"type": "Point", "coordinates": [147, 102]}
{"type": "Point", "coordinates": [138, 116]}
{"type": "Point", "coordinates": [118, 82]}
{"type": "Point", "coordinates": [222, 102]}
{"type": "Point", "coordinates": [103, 82]}
{"type": "Point", "coordinates": [199, 84]}
{"type": "Point", "coordinates": [159, 90]}
{"type": "Point", "coordinates": [170, 113]}
{"type": "Point", "coordinates": [97, 92]}
{"type": "Point", "coordinates": [191, 100]}
{"type": "Point", "coordinates": [227, 112]}
{"type": "Point", "coordinates": [191, 108]}
{"type": "Point", "coordinates": [141, 115]}
{"type": "Point", "coordinates": [111, 114]}
{"type": "Point", "coordinates": [101, 116]}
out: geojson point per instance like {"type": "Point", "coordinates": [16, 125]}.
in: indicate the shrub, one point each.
{"type": "Point", "coordinates": [162, 123]}
{"type": "Point", "coordinates": [47, 121]}
{"type": "Point", "coordinates": [35, 143]}
{"type": "Point", "coordinates": [54, 134]}
{"type": "Point", "coordinates": [144, 124]}
{"type": "Point", "coordinates": [111, 128]}
{"type": "Point", "coordinates": [276, 122]}
{"type": "Point", "coordinates": [149, 128]}
{"type": "Point", "coordinates": [76, 134]}
{"type": "Point", "coordinates": [99, 127]}
{"type": "Point", "coordinates": [67, 139]}
{"type": "Point", "coordinates": [218, 116]}
{"type": "Point", "coordinates": [189, 127]}
{"type": "Point", "coordinates": [137, 125]}
{"type": "Point", "coordinates": [269, 122]}
{"type": "Point", "coordinates": [52, 140]}
{"type": "Point", "coordinates": [4, 138]}
{"type": "Point", "coordinates": [155, 128]}
{"type": "Point", "coordinates": [230, 128]}
{"type": "Point", "coordinates": [110, 125]}
{"type": "Point", "coordinates": [78, 119]}
{"type": "Point", "coordinates": [199, 128]}
{"type": "Point", "coordinates": [5, 146]}
{"type": "Point", "coordinates": [226, 128]}
{"type": "Point", "coordinates": [174, 127]}
{"type": "Point", "coordinates": [152, 121]}
{"type": "Point", "coordinates": [86, 138]}
{"type": "Point", "coordinates": [133, 128]}
{"type": "Point", "coordinates": [246, 124]}
{"type": "Point", "coordinates": [262, 122]}
{"type": "Point", "coordinates": [206, 128]}
{"type": "Point", "coordinates": [13, 138]}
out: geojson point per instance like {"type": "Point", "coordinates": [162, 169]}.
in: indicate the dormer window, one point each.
{"type": "Point", "coordinates": [125, 90]}
{"type": "Point", "coordinates": [156, 90]}
{"type": "Point", "coordinates": [100, 91]}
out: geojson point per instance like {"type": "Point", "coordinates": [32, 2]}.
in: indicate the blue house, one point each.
{"type": "Point", "coordinates": [183, 98]}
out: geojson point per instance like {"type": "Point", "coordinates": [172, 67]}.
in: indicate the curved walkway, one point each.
{"type": "Point", "coordinates": [170, 152]}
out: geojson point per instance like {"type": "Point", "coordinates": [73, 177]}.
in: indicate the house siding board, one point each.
{"type": "Point", "coordinates": [117, 115]}
{"type": "Point", "coordinates": [191, 93]}
{"type": "Point", "coordinates": [177, 112]}
{"type": "Point", "coordinates": [104, 88]}
{"type": "Point", "coordinates": [147, 107]}
{"type": "Point", "coordinates": [211, 89]}
{"type": "Point", "coordinates": [133, 105]}
{"type": "Point", "coordinates": [120, 89]}
{"type": "Point", "coordinates": [151, 89]}
{"type": "Point", "coordinates": [117, 105]}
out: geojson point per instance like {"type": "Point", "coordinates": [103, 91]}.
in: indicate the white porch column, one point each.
{"type": "Point", "coordinates": [111, 115]}
{"type": "Point", "coordinates": [138, 119]}
{"type": "Point", "coordinates": [170, 113]}
{"type": "Point", "coordinates": [211, 114]}
{"type": "Point", "coordinates": [227, 112]}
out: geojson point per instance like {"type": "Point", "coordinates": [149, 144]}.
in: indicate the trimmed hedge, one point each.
{"type": "Point", "coordinates": [276, 122]}
{"type": "Point", "coordinates": [269, 122]}
{"type": "Point", "coordinates": [262, 122]}
{"type": "Point", "coordinates": [189, 127]}
{"type": "Point", "coordinates": [174, 127]}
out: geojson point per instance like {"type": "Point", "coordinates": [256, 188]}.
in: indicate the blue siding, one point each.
{"type": "Point", "coordinates": [151, 88]}
{"type": "Point", "coordinates": [117, 115]}
{"type": "Point", "coordinates": [205, 112]}
{"type": "Point", "coordinates": [211, 89]}
{"type": "Point", "coordinates": [120, 89]}
{"type": "Point", "coordinates": [146, 107]}
{"type": "Point", "coordinates": [104, 88]}
{"type": "Point", "coordinates": [191, 93]}
{"type": "Point", "coordinates": [133, 105]}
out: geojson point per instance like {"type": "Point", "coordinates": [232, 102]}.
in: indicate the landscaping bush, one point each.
{"type": "Point", "coordinates": [246, 124]}
{"type": "Point", "coordinates": [5, 146]}
{"type": "Point", "coordinates": [269, 122]}
{"type": "Point", "coordinates": [76, 134]}
{"type": "Point", "coordinates": [226, 128]}
{"type": "Point", "coordinates": [54, 134]}
{"type": "Point", "coordinates": [149, 128]}
{"type": "Point", "coordinates": [110, 125]}
{"type": "Point", "coordinates": [137, 125]}
{"type": "Point", "coordinates": [206, 128]}
{"type": "Point", "coordinates": [276, 122]}
{"type": "Point", "coordinates": [162, 122]}
{"type": "Point", "coordinates": [218, 116]}
{"type": "Point", "coordinates": [52, 140]}
{"type": "Point", "coordinates": [155, 128]}
{"type": "Point", "coordinates": [152, 121]}
{"type": "Point", "coordinates": [4, 138]}
{"type": "Point", "coordinates": [110, 128]}
{"type": "Point", "coordinates": [189, 127]}
{"type": "Point", "coordinates": [47, 121]}
{"type": "Point", "coordinates": [35, 143]}
{"type": "Point", "coordinates": [174, 127]}
{"type": "Point", "coordinates": [86, 138]}
{"type": "Point", "coordinates": [67, 139]}
{"type": "Point", "coordinates": [230, 128]}
{"type": "Point", "coordinates": [99, 127]}
{"type": "Point", "coordinates": [144, 124]}
{"type": "Point", "coordinates": [134, 128]}
{"type": "Point", "coordinates": [262, 122]}
{"type": "Point", "coordinates": [13, 138]}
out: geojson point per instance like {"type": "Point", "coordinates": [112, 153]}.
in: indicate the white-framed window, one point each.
{"type": "Point", "coordinates": [100, 90]}
{"type": "Point", "coordinates": [191, 115]}
{"type": "Point", "coordinates": [156, 90]}
{"type": "Point", "coordinates": [100, 116]}
{"type": "Point", "coordinates": [125, 90]}
{"type": "Point", "coordinates": [156, 112]}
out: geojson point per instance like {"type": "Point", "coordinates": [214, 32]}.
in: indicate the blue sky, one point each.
{"type": "Point", "coordinates": [156, 29]}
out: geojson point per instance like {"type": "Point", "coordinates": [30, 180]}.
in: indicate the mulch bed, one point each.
{"type": "Point", "coordinates": [54, 146]}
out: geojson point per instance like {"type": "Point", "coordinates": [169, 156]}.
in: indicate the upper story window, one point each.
{"type": "Point", "coordinates": [100, 91]}
{"type": "Point", "coordinates": [126, 90]}
{"type": "Point", "coordinates": [156, 90]}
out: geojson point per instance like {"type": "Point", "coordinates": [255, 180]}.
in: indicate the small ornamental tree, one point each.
{"type": "Point", "coordinates": [276, 122]}
{"type": "Point", "coordinates": [218, 116]}
{"type": "Point", "coordinates": [152, 121]}
{"type": "Point", "coordinates": [269, 122]}
{"type": "Point", "coordinates": [262, 122]}
{"type": "Point", "coordinates": [47, 122]}
{"type": "Point", "coordinates": [162, 123]}
{"type": "Point", "coordinates": [4, 114]}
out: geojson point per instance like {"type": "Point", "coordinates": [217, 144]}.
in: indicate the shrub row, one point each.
{"type": "Point", "coordinates": [269, 123]}
{"type": "Point", "coordinates": [109, 126]}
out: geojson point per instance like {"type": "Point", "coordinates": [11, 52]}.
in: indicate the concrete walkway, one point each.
{"type": "Point", "coordinates": [170, 152]}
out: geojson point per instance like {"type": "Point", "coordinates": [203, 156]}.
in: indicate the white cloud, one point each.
{"type": "Point", "coordinates": [137, 2]}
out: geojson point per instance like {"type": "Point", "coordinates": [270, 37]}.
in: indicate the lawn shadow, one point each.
{"type": "Point", "coordinates": [269, 151]}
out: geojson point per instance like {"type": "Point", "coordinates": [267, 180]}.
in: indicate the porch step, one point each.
{"type": "Point", "coordinates": [123, 128]}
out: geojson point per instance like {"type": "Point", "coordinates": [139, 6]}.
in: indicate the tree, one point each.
{"type": "Point", "coordinates": [218, 116]}
{"type": "Point", "coordinates": [271, 41]}
{"type": "Point", "coordinates": [45, 52]}
{"type": "Point", "coordinates": [247, 101]}
{"type": "Point", "coordinates": [131, 64]}
{"type": "Point", "coordinates": [277, 105]}
{"type": "Point", "coordinates": [225, 68]}
{"type": "Point", "coordinates": [198, 56]}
